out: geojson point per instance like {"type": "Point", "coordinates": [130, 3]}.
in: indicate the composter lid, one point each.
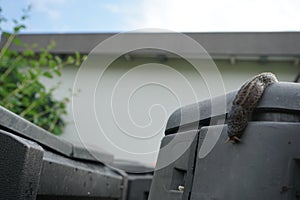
{"type": "Point", "coordinates": [13, 123]}
{"type": "Point", "coordinates": [278, 97]}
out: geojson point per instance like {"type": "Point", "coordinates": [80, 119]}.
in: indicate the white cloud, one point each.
{"type": "Point", "coordinates": [49, 7]}
{"type": "Point", "coordinates": [213, 15]}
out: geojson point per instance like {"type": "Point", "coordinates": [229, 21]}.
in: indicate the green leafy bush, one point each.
{"type": "Point", "coordinates": [21, 90]}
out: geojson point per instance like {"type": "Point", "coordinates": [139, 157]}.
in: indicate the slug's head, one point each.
{"type": "Point", "coordinates": [233, 138]}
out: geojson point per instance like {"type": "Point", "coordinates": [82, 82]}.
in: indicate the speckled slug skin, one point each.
{"type": "Point", "coordinates": [244, 103]}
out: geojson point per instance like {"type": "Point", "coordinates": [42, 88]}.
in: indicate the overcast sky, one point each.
{"type": "Point", "coordinates": [176, 15]}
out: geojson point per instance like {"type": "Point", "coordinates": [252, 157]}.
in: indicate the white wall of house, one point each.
{"type": "Point", "coordinates": [145, 124]}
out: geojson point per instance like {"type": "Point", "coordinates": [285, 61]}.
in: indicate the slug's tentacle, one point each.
{"type": "Point", "coordinates": [244, 103]}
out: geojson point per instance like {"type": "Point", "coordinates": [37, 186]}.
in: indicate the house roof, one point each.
{"type": "Point", "coordinates": [218, 45]}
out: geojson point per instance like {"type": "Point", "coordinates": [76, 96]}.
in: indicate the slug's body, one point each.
{"type": "Point", "coordinates": [244, 103]}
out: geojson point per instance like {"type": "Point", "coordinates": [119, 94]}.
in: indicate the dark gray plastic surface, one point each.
{"type": "Point", "coordinates": [91, 154]}
{"type": "Point", "coordinates": [29, 172]}
{"type": "Point", "coordinates": [264, 166]}
{"type": "Point", "coordinates": [283, 97]}
{"type": "Point", "coordinates": [70, 178]}
{"type": "Point", "coordinates": [138, 176]}
{"type": "Point", "coordinates": [20, 167]}
{"type": "Point", "coordinates": [139, 186]}
{"type": "Point", "coordinates": [132, 166]}
{"type": "Point", "coordinates": [169, 173]}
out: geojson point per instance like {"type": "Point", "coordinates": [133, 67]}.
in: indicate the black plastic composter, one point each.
{"type": "Point", "coordinates": [195, 162]}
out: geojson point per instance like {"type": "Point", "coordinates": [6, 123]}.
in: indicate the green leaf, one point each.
{"type": "Point", "coordinates": [57, 72]}
{"type": "Point", "coordinates": [77, 56]}
{"type": "Point", "coordinates": [28, 52]}
{"type": "Point", "coordinates": [58, 59]}
{"type": "Point", "coordinates": [70, 60]}
{"type": "Point", "coordinates": [48, 74]}
{"type": "Point", "coordinates": [43, 61]}
{"type": "Point", "coordinates": [19, 27]}
{"type": "Point", "coordinates": [33, 63]}
{"type": "Point", "coordinates": [10, 85]}
{"type": "Point", "coordinates": [38, 70]}
{"type": "Point", "coordinates": [52, 64]}
{"type": "Point", "coordinates": [32, 74]}
{"type": "Point", "coordinates": [3, 92]}
{"type": "Point", "coordinates": [17, 41]}
{"type": "Point", "coordinates": [6, 34]}
{"type": "Point", "coordinates": [57, 130]}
